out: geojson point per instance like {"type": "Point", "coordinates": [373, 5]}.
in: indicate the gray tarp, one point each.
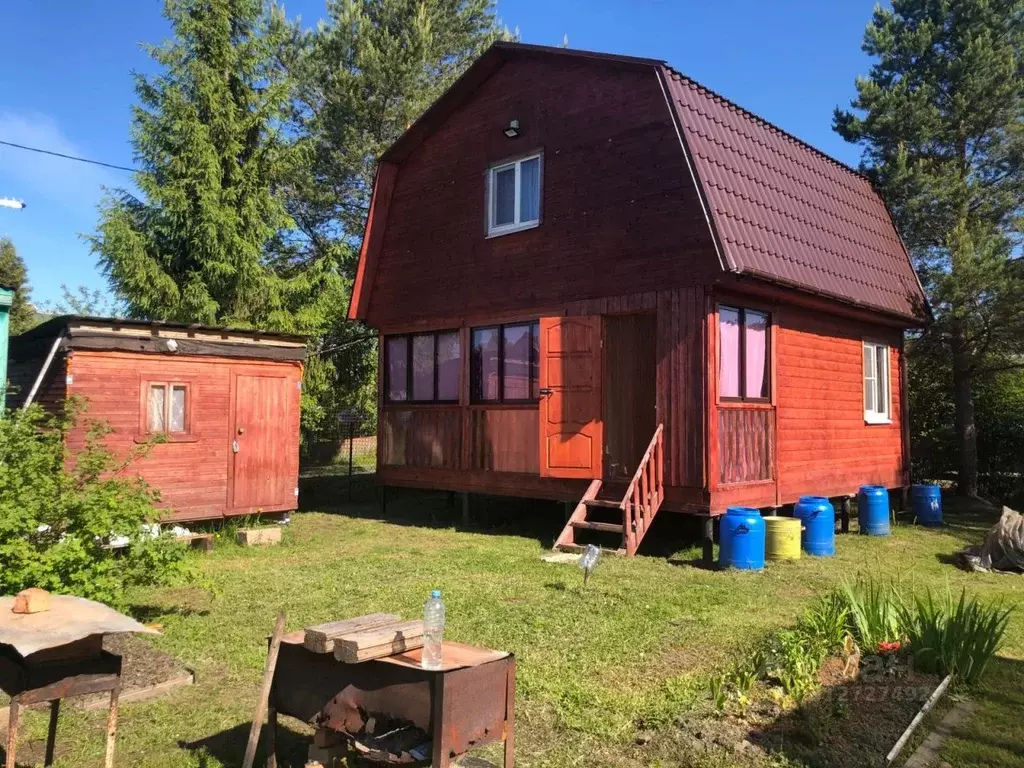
{"type": "Point", "coordinates": [69, 619]}
{"type": "Point", "coordinates": [1003, 549]}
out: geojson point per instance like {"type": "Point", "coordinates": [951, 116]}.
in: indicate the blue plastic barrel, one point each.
{"type": "Point", "coordinates": [742, 536]}
{"type": "Point", "coordinates": [926, 502]}
{"type": "Point", "coordinates": [818, 517]}
{"type": "Point", "coordinates": [873, 510]}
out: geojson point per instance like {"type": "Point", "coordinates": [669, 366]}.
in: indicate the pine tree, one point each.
{"type": "Point", "coordinates": [13, 274]}
{"type": "Point", "coordinates": [941, 118]}
{"type": "Point", "coordinates": [207, 239]}
{"type": "Point", "coordinates": [361, 79]}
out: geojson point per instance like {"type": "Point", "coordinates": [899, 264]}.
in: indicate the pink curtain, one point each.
{"type": "Point", "coordinates": [396, 358]}
{"type": "Point", "coordinates": [729, 352]}
{"type": "Point", "coordinates": [423, 367]}
{"type": "Point", "coordinates": [757, 345]}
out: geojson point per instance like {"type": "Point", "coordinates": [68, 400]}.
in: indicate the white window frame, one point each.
{"type": "Point", "coordinates": [882, 412]}
{"type": "Point", "coordinates": [494, 230]}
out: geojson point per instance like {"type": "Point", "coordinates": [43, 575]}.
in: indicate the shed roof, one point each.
{"type": "Point", "coordinates": [55, 325]}
{"type": "Point", "coordinates": [780, 210]}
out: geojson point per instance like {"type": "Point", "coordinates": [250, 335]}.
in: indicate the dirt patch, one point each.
{"type": "Point", "coordinates": [142, 664]}
{"type": "Point", "coordinates": [849, 723]}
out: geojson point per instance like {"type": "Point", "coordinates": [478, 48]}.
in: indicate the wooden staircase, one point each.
{"type": "Point", "coordinates": [638, 506]}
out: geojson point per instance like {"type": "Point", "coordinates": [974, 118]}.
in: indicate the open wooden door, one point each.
{"type": "Point", "coordinates": [571, 430]}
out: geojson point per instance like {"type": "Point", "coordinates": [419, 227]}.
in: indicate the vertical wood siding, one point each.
{"type": "Point", "coordinates": [421, 437]}
{"type": "Point", "coordinates": [745, 444]}
{"type": "Point", "coordinates": [193, 476]}
{"type": "Point", "coordinates": [505, 439]}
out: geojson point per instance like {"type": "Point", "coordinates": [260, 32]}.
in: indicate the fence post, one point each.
{"type": "Point", "coordinates": [351, 440]}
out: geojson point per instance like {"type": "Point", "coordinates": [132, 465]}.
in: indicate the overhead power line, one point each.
{"type": "Point", "coordinates": [67, 157]}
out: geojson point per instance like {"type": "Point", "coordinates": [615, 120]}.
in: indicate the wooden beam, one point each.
{"type": "Point", "coordinates": [184, 347]}
{"type": "Point", "coordinates": [373, 240]}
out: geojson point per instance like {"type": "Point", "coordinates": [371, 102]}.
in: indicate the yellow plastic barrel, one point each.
{"type": "Point", "coordinates": [782, 538]}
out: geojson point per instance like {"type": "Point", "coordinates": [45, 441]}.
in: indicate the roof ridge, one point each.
{"type": "Point", "coordinates": [791, 136]}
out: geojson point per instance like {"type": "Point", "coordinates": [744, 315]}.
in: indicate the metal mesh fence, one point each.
{"type": "Point", "coordinates": [336, 464]}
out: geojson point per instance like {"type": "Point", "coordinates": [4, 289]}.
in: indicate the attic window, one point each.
{"type": "Point", "coordinates": [513, 196]}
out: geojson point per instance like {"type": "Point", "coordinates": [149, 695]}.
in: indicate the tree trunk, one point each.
{"type": "Point", "coordinates": [966, 432]}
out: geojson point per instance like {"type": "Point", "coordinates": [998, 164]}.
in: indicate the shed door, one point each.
{"type": "Point", "coordinates": [260, 443]}
{"type": "Point", "coordinates": [571, 430]}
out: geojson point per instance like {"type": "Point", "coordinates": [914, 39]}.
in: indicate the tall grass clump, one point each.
{"type": "Point", "coordinates": [958, 638]}
{"type": "Point", "coordinates": [874, 613]}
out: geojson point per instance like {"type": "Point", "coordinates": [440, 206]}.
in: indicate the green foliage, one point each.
{"type": "Point", "coordinates": [940, 120]}
{"type": "Point", "coordinates": [84, 300]}
{"type": "Point", "coordinates": [792, 658]}
{"type": "Point", "coordinates": [13, 274]}
{"type": "Point", "coordinates": [56, 521]}
{"type": "Point", "coordinates": [954, 638]}
{"type": "Point", "coordinates": [874, 612]}
{"type": "Point", "coordinates": [207, 239]}
{"type": "Point", "coordinates": [827, 622]}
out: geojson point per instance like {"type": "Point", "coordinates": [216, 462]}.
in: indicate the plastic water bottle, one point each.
{"type": "Point", "coordinates": [433, 631]}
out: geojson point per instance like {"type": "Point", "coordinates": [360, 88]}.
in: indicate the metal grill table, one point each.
{"type": "Point", "coordinates": [38, 680]}
{"type": "Point", "coordinates": [468, 703]}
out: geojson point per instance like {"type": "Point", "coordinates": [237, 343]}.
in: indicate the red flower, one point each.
{"type": "Point", "coordinates": [893, 647]}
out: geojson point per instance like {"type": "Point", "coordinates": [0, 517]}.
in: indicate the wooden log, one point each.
{"type": "Point", "coordinates": [321, 638]}
{"type": "Point", "coordinates": [261, 704]}
{"type": "Point", "coordinates": [379, 642]}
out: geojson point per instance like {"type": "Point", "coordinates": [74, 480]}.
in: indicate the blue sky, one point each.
{"type": "Point", "coordinates": [66, 85]}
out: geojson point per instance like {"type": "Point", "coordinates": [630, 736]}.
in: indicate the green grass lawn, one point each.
{"type": "Point", "coordinates": [597, 666]}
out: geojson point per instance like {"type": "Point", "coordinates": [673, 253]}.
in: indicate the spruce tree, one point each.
{"type": "Point", "coordinates": [13, 274]}
{"type": "Point", "coordinates": [940, 119]}
{"type": "Point", "coordinates": [207, 239]}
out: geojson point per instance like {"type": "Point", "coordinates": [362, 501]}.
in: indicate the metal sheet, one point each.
{"type": "Point", "coordinates": [69, 619]}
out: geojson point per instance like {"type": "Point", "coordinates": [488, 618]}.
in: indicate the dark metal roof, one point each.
{"type": "Point", "coordinates": [786, 212]}
{"type": "Point", "coordinates": [55, 325]}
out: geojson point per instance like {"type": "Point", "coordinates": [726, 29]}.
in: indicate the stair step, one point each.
{"type": "Point", "coordinates": [578, 548]}
{"type": "Point", "coordinates": [607, 503]}
{"type": "Point", "coordinates": [589, 525]}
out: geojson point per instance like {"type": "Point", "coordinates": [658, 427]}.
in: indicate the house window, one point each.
{"type": "Point", "coordinates": [513, 196]}
{"type": "Point", "coordinates": [744, 354]}
{"type": "Point", "coordinates": [877, 400]}
{"type": "Point", "coordinates": [505, 363]}
{"type": "Point", "coordinates": [422, 367]}
{"type": "Point", "coordinates": [167, 407]}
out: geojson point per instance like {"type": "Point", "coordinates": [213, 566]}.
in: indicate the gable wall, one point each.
{"type": "Point", "coordinates": [619, 213]}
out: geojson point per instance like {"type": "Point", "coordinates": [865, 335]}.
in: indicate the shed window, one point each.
{"type": "Point", "coordinates": [422, 367]}
{"type": "Point", "coordinates": [513, 196]}
{"type": "Point", "coordinates": [744, 354]}
{"type": "Point", "coordinates": [167, 408]}
{"type": "Point", "coordinates": [877, 399]}
{"type": "Point", "coordinates": [505, 363]}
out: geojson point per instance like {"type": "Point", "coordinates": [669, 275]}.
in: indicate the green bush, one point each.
{"type": "Point", "coordinates": [953, 638]}
{"type": "Point", "coordinates": [58, 511]}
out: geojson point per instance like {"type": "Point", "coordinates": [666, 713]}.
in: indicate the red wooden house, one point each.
{"type": "Point", "coordinates": [597, 280]}
{"type": "Point", "coordinates": [226, 402]}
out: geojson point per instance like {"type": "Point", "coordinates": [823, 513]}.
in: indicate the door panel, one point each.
{"type": "Point", "coordinates": [260, 476]}
{"type": "Point", "coordinates": [571, 430]}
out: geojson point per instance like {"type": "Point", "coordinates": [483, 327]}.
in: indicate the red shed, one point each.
{"type": "Point", "coordinates": [226, 401]}
{"type": "Point", "coordinates": [597, 280]}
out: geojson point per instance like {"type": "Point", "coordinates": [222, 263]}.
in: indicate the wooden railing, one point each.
{"type": "Point", "coordinates": [645, 493]}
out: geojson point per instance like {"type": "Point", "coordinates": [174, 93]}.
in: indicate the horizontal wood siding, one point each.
{"type": "Point", "coordinates": [504, 440]}
{"type": "Point", "coordinates": [824, 446]}
{"type": "Point", "coordinates": [421, 437]}
{"type": "Point", "coordinates": [192, 477]}
{"type": "Point", "coordinates": [619, 212]}
{"type": "Point", "coordinates": [745, 444]}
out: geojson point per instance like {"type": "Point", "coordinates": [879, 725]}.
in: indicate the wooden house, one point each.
{"type": "Point", "coordinates": [225, 401]}
{"type": "Point", "coordinates": [597, 280]}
